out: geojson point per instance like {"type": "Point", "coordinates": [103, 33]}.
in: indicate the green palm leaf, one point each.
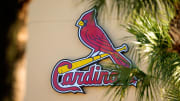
{"type": "Point", "coordinates": [127, 8]}
{"type": "Point", "coordinates": [163, 70]}
{"type": "Point", "coordinates": [154, 44]}
{"type": "Point", "coordinates": [148, 21]}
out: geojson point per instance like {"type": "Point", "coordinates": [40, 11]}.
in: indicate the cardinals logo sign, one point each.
{"type": "Point", "coordinates": [68, 76]}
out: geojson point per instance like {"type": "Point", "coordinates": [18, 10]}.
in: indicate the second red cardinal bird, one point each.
{"type": "Point", "coordinates": [93, 36]}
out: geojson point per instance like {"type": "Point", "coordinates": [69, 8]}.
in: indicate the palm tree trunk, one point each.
{"type": "Point", "coordinates": [12, 48]}
{"type": "Point", "coordinates": [175, 29]}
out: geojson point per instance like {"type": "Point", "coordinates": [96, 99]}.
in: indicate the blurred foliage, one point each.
{"type": "Point", "coordinates": [154, 44]}
{"type": "Point", "coordinates": [149, 21]}
{"type": "Point", "coordinates": [10, 24]}
{"type": "Point", "coordinates": [125, 9]}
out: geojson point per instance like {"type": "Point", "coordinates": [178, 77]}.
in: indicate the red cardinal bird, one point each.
{"type": "Point", "coordinates": [93, 36]}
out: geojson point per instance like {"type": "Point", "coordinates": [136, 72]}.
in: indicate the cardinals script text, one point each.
{"type": "Point", "coordinates": [69, 76]}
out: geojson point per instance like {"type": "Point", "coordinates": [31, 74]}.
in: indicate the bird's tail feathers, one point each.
{"type": "Point", "coordinates": [120, 60]}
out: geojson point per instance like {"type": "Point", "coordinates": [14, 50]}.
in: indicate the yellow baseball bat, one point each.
{"type": "Point", "coordinates": [83, 62]}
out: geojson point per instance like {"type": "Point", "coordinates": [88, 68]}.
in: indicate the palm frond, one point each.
{"type": "Point", "coordinates": [144, 86]}
{"type": "Point", "coordinates": [172, 93]}
{"type": "Point", "coordinates": [123, 79]}
{"type": "Point", "coordinates": [154, 44]}
{"type": "Point", "coordinates": [149, 23]}
{"type": "Point", "coordinates": [127, 8]}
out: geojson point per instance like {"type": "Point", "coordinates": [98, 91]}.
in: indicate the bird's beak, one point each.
{"type": "Point", "coordinates": [81, 23]}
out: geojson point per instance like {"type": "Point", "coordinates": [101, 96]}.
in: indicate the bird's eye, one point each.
{"type": "Point", "coordinates": [82, 22]}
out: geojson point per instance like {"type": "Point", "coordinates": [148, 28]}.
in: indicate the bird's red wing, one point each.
{"type": "Point", "coordinates": [100, 40]}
